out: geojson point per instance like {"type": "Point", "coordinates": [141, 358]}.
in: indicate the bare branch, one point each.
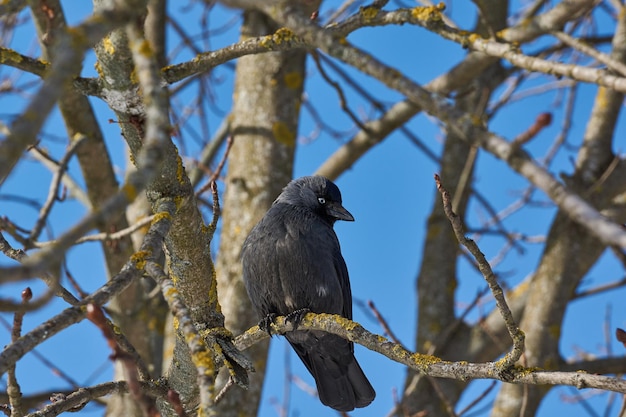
{"type": "Point", "coordinates": [71, 46]}
{"type": "Point", "coordinates": [543, 120]}
{"type": "Point", "coordinates": [514, 331]}
{"type": "Point", "coordinates": [96, 316]}
{"type": "Point", "coordinates": [431, 365]}
{"type": "Point", "coordinates": [54, 189]}
{"type": "Point", "coordinates": [13, 387]}
{"type": "Point", "coordinates": [152, 244]}
{"type": "Point", "coordinates": [594, 53]}
{"type": "Point", "coordinates": [78, 399]}
{"type": "Point", "coordinates": [53, 166]}
{"type": "Point", "coordinates": [571, 203]}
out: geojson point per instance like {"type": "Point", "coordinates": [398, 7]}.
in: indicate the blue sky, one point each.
{"type": "Point", "coordinates": [389, 191]}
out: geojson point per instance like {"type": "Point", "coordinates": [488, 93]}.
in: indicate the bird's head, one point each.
{"type": "Point", "coordinates": [318, 194]}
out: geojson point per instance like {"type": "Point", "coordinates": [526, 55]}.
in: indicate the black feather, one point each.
{"type": "Point", "coordinates": [291, 261]}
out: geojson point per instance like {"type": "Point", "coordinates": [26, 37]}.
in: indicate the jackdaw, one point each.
{"type": "Point", "coordinates": [292, 264]}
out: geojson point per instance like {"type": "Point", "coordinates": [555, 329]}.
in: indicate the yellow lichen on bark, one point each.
{"type": "Point", "coordinates": [283, 35]}
{"type": "Point", "coordinates": [134, 78]}
{"type": "Point", "coordinates": [9, 55]}
{"type": "Point", "coordinates": [161, 215]}
{"type": "Point", "coordinates": [180, 170]}
{"type": "Point", "coordinates": [293, 80]}
{"type": "Point", "coordinates": [283, 134]}
{"type": "Point", "coordinates": [78, 37]}
{"type": "Point", "coordinates": [143, 47]}
{"type": "Point", "coordinates": [368, 13]}
{"type": "Point", "coordinates": [428, 13]}
{"type": "Point", "coordinates": [213, 301]}
{"type": "Point", "coordinates": [422, 360]}
{"type": "Point", "coordinates": [345, 323]}
{"type": "Point", "coordinates": [139, 258]}
{"type": "Point", "coordinates": [601, 99]}
{"type": "Point", "coordinates": [116, 329]}
{"type": "Point", "coordinates": [108, 45]}
{"type": "Point", "coordinates": [129, 191]}
{"type": "Point", "coordinates": [179, 201]}
{"type": "Point", "coordinates": [204, 360]}
{"type": "Point", "coordinates": [171, 292]}
{"type": "Point", "coordinates": [278, 37]}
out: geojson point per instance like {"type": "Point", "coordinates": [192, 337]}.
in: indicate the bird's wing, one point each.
{"type": "Point", "coordinates": [260, 267]}
{"type": "Point", "coordinates": [344, 281]}
{"type": "Point", "coordinates": [311, 274]}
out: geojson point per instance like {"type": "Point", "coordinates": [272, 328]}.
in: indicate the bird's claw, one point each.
{"type": "Point", "coordinates": [295, 318]}
{"type": "Point", "coordinates": [266, 323]}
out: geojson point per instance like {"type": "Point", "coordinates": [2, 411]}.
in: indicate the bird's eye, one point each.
{"type": "Point", "coordinates": [321, 200]}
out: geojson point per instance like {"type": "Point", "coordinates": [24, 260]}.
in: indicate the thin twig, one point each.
{"type": "Point", "coordinates": [516, 334]}
{"type": "Point", "coordinates": [542, 121]}
{"type": "Point", "coordinates": [209, 151]}
{"type": "Point", "coordinates": [146, 403]}
{"type": "Point", "coordinates": [81, 293]}
{"type": "Point", "coordinates": [622, 410]}
{"type": "Point", "coordinates": [343, 103]}
{"type": "Point", "coordinates": [119, 234]}
{"type": "Point", "coordinates": [216, 210]}
{"type": "Point", "coordinates": [465, 179]}
{"type": "Point", "coordinates": [13, 387]}
{"type": "Point", "coordinates": [592, 52]}
{"type": "Point", "coordinates": [213, 184]}
{"type": "Point", "coordinates": [566, 126]}
{"type": "Point", "coordinates": [15, 254]}
{"type": "Point", "coordinates": [600, 289]}
{"type": "Point", "coordinates": [104, 236]}
{"type": "Point", "coordinates": [220, 166]}
{"type": "Point", "coordinates": [218, 170]}
{"type": "Point", "coordinates": [229, 384]}
{"type": "Point", "coordinates": [340, 11]}
{"type": "Point", "coordinates": [444, 337]}
{"type": "Point", "coordinates": [19, 255]}
{"type": "Point", "coordinates": [442, 396]}
{"type": "Point", "coordinates": [69, 183]}
{"type": "Point", "coordinates": [522, 411]}
{"type": "Point", "coordinates": [79, 398]}
{"type": "Point", "coordinates": [597, 185]}
{"type": "Point", "coordinates": [511, 85]}
{"type": "Point", "coordinates": [606, 328]}
{"type": "Point", "coordinates": [54, 189]}
{"type": "Point", "coordinates": [54, 370]}
{"type": "Point", "coordinates": [383, 322]}
{"type": "Point", "coordinates": [478, 399]}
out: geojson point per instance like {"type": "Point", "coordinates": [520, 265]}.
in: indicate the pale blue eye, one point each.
{"type": "Point", "coordinates": [321, 200]}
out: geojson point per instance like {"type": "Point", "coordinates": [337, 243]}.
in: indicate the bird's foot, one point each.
{"type": "Point", "coordinates": [266, 323]}
{"type": "Point", "coordinates": [296, 317]}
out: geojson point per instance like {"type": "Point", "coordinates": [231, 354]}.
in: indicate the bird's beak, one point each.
{"type": "Point", "coordinates": [337, 211]}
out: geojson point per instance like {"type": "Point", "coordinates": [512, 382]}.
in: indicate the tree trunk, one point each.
{"type": "Point", "coordinates": [268, 92]}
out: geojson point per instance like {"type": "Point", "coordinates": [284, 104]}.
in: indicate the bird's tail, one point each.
{"type": "Point", "coordinates": [341, 383]}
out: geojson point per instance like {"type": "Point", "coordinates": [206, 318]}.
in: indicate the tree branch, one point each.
{"type": "Point", "coordinates": [571, 203]}
{"type": "Point", "coordinates": [431, 365]}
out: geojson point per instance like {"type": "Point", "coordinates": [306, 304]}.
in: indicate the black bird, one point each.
{"type": "Point", "coordinates": [292, 264]}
